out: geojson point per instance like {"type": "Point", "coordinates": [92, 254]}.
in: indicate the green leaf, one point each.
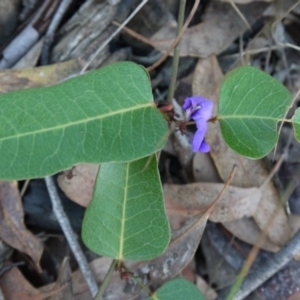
{"type": "Point", "coordinates": [251, 103]}
{"type": "Point", "coordinates": [126, 218]}
{"type": "Point", "coordinates": [105, 115]}
{"type": "Point", "coordinates": [177, 289]}
{"type": "Point", "coordinates": [296, 124]}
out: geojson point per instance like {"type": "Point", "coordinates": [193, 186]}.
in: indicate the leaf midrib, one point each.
{"type": "Point", "coordinates": [246, 117]}
{"type": "Point", "coordinates": [86, 120]}
{"type": "Point", "coordinates": [121, 248]}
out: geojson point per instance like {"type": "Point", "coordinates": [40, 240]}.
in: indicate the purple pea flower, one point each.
{"type": "Point", "coordinates": [200, 110]}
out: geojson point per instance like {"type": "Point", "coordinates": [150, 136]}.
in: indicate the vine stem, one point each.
{"type": "Point", "coordinates": [106, 280]}
{"type": "Point", "coordinates": [138, 281]}
{"type": "Point", "coordinates": [176, 52]}
{"type": "Point", "coordinates": [178, 38]}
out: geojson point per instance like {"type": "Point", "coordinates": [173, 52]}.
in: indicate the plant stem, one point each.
{"type": "Point", "coordinates": [106, 279]}
{"type": "Point", "coordinates": [138, 281]}
{"type": "Point", "coordinates": [176, 52]}
{"type": "Point", "coordinates": [186, 24]}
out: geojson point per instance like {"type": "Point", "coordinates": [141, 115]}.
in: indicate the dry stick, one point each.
{"type": "Point", "coordinates": [113, 35]}
{"type": "Point", "coordinates": [252, 52]}
{"type": "Point", "coordinates": [55, 200]}
{"type": "Point", "coordinates": [186, 24]}
{"type": "Point", "coordinates": [270, 267]}
{"type": "Point", "coordinates": [24, 188]}
{"type": "Point", "coordinates": [139, 36]}
{"type": "Point", "coordinates": [176, 53]}
{"type": "Point", "coordinates": [240, 14]}
{"type": "Point", "coordinates": [70, 235]}
{"type": "Point", "coordinates": [52, 28]}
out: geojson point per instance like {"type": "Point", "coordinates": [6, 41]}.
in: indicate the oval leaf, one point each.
{"type": "Point", "coordinates": [251, 103]}
{"type": "Point", "coordinates": [296, 124]}
{"type": "Point", "coordinates": [177, 289]}
{"type": "Point", "coordinates": [126, 218]}
{"type": "Point", "coordinates": [105, 115]}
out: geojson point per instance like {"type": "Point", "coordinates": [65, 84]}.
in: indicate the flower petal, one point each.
{"type": "Point", "coordinates": [204, 112]}
{"type": "Point", "coordinates": [187, 103]}
{"type": "Point", "coordinates": [199, 135]}
{"type": "Point", "coordinates": [197, 107]}
{"type": "Point", "coordinates": [204, 147]}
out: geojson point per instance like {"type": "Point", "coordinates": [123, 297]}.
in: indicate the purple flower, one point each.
{"type": "Point", "coordinates": [199, 109]}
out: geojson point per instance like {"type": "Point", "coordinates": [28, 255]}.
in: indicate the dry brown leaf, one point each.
{"type": "Point", "coordinates": [179, 253]}
{"type": "Point", "coordinates": [15, 286]}
{"type": "Point", "coordinates": [78, 183]}
{"type": "Point", "coordinates": [206, 290]}
{"type": "Point", "coordinates": [220, 27]}
{"type": "Point", "coordinates": [12, 229]}
{"type": "Point", "coordinates": [63, 285]}
{"type": "Point", "coordinates": [190, 199]}
{"type": "Point", "coordinates": [247, 230]}
{"type": "Point", "coordinates": [250, 173]}
{"type": "Point", "coordinates": [294, 222]}
{"type": "Point", "coordinates": [204, 168]}
{"type": "Point", "coordinates": [12, 80]}
{"type": "Point", "coordinates": [30, 59]}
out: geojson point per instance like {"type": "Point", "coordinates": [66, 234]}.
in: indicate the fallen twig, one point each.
{"type": "Point", "coordinates": [113, 35]}
{"type": "Point", "coordinates": [268, 269]}
{"type": "Point", "coordinates": [49, 37]}
{"type": "Point", "coordinates": [70, 236]}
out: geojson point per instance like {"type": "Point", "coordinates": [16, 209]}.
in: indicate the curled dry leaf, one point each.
{"type": "Point", "coordinates": [30, 59]}
{"type": "Point", "coordinates": [63, 285]}
{"type": "Point", "coordinates": [247, 230]}
{"type": "Point", "coordinates": [190, 199]}
{"type": "Point", "coordinates": [221, 26]}
{"type": "Point", "coordinates": [12, 80]}
{"type": "Point", "coordinates": [180, 252]}
{"type": "Point", "coordinates": [78, 183]}
{"type": "Point", "coordinates": [15, 286]}
{"type": "Point", "coordinates": [250, 173]}
{"type": "Point", "coordinates": [12, 228]}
